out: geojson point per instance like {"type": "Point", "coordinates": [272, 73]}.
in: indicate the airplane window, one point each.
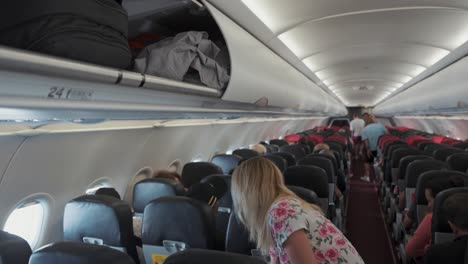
{"type": "Point", "coordinates": [26, 221]}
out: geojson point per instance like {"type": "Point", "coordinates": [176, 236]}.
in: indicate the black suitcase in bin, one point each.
{"type": "Point", "coordinates": [94, 31]}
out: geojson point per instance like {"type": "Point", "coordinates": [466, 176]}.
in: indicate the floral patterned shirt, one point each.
{"type": "Point", "coordinates": [330, 246]}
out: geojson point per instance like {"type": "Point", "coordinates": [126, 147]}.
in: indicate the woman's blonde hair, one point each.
{"type": "Point", "coordinates": [256, 184]}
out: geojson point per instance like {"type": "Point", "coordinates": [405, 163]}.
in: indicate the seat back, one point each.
{"type": "Point", "coordinates": [13, 249]}
{"type": "Point", "coordinates": [404, 162]}
{"type": "Point", "coordinates": [461, 145]}
{"type": "Point", "coordinates": [278, 142]}
{"type": "Point", "coordinates": [296, 149]}
{"type": "Point", "coordinates": [149, 189]}
{"type": "Point", "coordinates": [290, 159]}
{"type": "Point", "coordinates": [441, 231]}
{"type": "Point", "coordinates": [312, 178]}
{"type": "Point", "coordinates": [424, 179]}
{"type": "Point", "coordinates": [246, 153]}
{"type": "Point", "coordinates": [272, 148]}
{"type": "Point", "coordinates": [336, 168]}
{"type": "Point", "coordinates": [224, 211]}
{"type": "Point", "coordinates": [305, 194]}
{"type": "Point", "coordinates": [78, 253]}
{"type": "Point", "coordinates": [321, 162]}
{"type": "Point", "coordinates": [226, 162]}
{"type": "Point", "coordinates": [198, 256]}
{"type": "Point", "coordinates": [458, 162]}
{"type": "Point", "coordinates": [194, 172]}
{"type": "Point", "coordinates": [173, 223]}
{"type": "Point", "coordinates": [237, 237]}
{"type": "Point", "coordinates": [99, 219]}
{"type": "Point", "coordinates": [443, 153]}
{"type": "Point", "coordinates": [422, 145]}
{"type": "Point", "coordinates": [389, 145]}
{"type": "Point", "coordinates": [431, 148]}
{"type": "Point", "coordinates": [414, 171]}
{"type": "Point", "coordinates": [398, 154]}
{"type": "Point", "coordinates": [279, 161]}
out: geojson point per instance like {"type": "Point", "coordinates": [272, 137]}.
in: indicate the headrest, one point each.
{"type": "Point", "coordinates": [458, 162]}
{"type": "Point", "coordinates": [78, 253]}
{"type": "Point", "coordinates": [280, 162]}
{"type": "Point", "coordinates": [443, 153]}
{"type": "Point", "coordinates": [194, 172]}
{"type": "Point", "coordinates": [100, 217]}
{"type": "Point", "coordinates": [439, 220]}
{"type": "Point", "coordinates": [210, 190]}
{"type": "Point", "coordinates": [431, 148]}
{"type": "Point", "coordinates": [197, 256]}
{"type": "Point", "coordinates": [321, 162]}
{"type": "Point", "coordinates": [416, 168]}
{"type": "Point", "coordinates": [297, 150]}
{"type": "Point", "coordinates": [305, 194]}
{"type": "Point", "coordinates": [309, 177]}
{"type": "Point", "coordinates": [426, 177]}
{"type": "Point", "coordinates": [292, 138]}
{"type": "Point", "coordinates": [226, 199]}
{"type": "Point", "coordinates": [290, 159]}
{"type": "Point", "coordinates": [278, 142]}
{"type": "Point", "coordinates": [405, 161]}
{"type": "Point", "coordinates": [226, 162]}
{"type": "Point", "coordinates": [237, 237]}
{"type": "Point", "coordinates": [391, 150]}
{"type": "Point", "coordinates": [422, 145]}
{"type": "Point", "coordinates": [393, 143]}
{"type": "Point", "coordinates": [332, 159]}
{"type": "Point", "coordinates": [272, 148]}
{"type": "Point", "coordinates": [398, 154]}
{"type": "Point", "coordinates": [13, 249]}
{"type": "Point", "coordinates": [246, 153]}
{"type": "Point", "coordinates": [147, 190]}
{"type": "Point", "coordinates": [109, 192]}
{"type": "Point", "coordinates": [179, 219]}
{"type": "Point", "coordinates": [335, 145]}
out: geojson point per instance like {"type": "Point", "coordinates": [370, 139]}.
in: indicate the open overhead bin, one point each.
{"type": "Point", "coordinates": [257, 77]}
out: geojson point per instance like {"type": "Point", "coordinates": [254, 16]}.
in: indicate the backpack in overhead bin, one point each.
{"type": "Point", "coordinates": [93, 31]}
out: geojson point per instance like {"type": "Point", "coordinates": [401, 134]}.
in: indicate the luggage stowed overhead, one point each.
{"type": "Point", "coordinates": [94, 31]}
{"type": "Point", "coordinates": [175, 57]}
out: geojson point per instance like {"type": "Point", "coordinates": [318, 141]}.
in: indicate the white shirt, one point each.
{"type": "Point", "coordinates": [356, 126]}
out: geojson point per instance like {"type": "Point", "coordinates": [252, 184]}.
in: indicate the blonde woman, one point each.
{"type": "Point", "coordinates": [287, 228]}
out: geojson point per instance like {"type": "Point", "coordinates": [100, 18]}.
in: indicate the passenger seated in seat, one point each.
{"type": "Point", "coordinates": [209, 191]}
{"type": "Point", "coordinates": [422, 238]}
{"type": "Point", "coordinates": [457, 216]}
{"type": "Point", "coordinates": [284, 226]}
{"type": "Point", "coordinates": [171, 175]}
{"type": "Point", "coordinates": [261, 149]}
{"type": "Point", "coordinates": [320, 147]}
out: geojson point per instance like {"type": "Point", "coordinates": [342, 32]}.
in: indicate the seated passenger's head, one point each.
{"type": "Point", "coordinates": [165, 174]}
{"type": "Point", "coordinates": [261, 149]}
{"type": "Point", "coordinates": [209, 191]}
{"type": "Point", "coordinates": [320, 147]}
{"type": "Point", "coordinates": [256, 184]}
{"type": "Point", "coordinates": [456, 210]}
{"type": "Point", "coordinates": [436, 186]}
{"type": "Point", "coordinates": [327, 152]}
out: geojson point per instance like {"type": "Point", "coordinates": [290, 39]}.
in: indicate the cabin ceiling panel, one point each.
{"type": "Point", "coordinates": [396, 41]}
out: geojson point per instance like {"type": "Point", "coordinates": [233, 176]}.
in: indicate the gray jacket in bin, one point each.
{"type": "Point", "coordinates": [173, 57]}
